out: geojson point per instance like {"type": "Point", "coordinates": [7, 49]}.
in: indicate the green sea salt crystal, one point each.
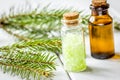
{"type": "Point", "coordinates": [73, 52]}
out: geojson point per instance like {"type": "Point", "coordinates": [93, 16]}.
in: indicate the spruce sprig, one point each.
{"type": "Point", "coordinates": [30, 58]}
{"type": "Point", "coordinates": [35, 24]}
{"type": "Point", "coordinates": [53, 45]}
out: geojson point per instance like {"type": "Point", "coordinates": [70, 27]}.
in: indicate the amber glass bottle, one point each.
{"type": "Point", "coordinates": [100, 30]}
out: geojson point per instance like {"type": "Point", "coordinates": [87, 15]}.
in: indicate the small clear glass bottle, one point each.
{"type": "Point", "coordinates": [73, 44]}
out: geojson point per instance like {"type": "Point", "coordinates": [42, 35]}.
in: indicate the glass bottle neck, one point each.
{"type": "Point", "coordinates": [99, 13]}
{"type": "Point", "coordinates": [99, 10]}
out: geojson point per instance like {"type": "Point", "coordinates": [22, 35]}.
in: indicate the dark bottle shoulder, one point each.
{"type": "Point", "coordinates": [103, 19]}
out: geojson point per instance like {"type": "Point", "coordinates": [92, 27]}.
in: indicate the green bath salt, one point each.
{"type": "Point", "coordinates": [73, 52]}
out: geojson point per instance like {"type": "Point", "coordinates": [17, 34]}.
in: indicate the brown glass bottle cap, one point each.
{"type": "Point", "coordinates": [99, 2]}
{"type": "Point", "coordinates": [70, 15]}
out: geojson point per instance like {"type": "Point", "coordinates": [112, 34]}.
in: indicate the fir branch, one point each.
{"type": "Point", "coordinates": [34, 25]}
{"type": "Point", "coordinates": [30, 58]}
{"type": "Point", "coordinates": [24, 71]}
{"type": "Point", "coordinates": [53, 45]}
{"type": "Point", "coordinates": [41, 60]}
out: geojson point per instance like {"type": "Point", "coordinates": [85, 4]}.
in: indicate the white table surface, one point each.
{"type": "Point", "coordinates": [97, 69]}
